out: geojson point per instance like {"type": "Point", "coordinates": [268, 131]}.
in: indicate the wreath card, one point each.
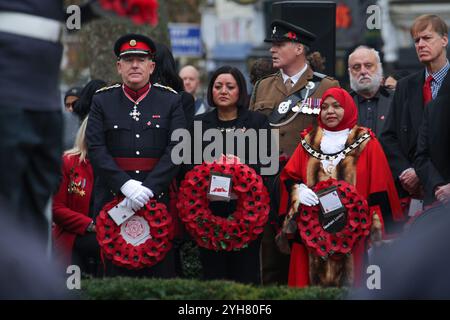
{"type": "Point", "coordinates": [219, 187]}
{"type": "Point", "coordinates": [120, 213]}
{"type": "Point", "coordinates": [332, 214]}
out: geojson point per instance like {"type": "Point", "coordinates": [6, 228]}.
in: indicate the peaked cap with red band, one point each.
{"type": "Point", "coordinates": [134, 44]}
{"type": "Point", "coordinates": [285, 31]}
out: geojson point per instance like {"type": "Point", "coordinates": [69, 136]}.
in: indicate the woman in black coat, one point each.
{"type": "Point", "coordinates": [227, 93]}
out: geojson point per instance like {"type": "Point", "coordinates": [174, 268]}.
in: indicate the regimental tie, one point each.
{"type": "Point", "coordinates": [427, 95]}
{"type": "Point", "coordinates": [135, 114]}
{"type": "Point", "coordinates": [289, 84]}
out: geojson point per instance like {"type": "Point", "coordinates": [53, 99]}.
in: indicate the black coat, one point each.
{"type": "Point", "coordinates": [111, 132]}
{"type": "Point", "coordinates": [433, 148]}
{"type": "Point", "coordinates": [399, 137]}
{"type": "Point", "coordinates": [384, 103]}
{"type": "Point", "coordinates": [246, 120]}
{"type": "Point", "coordinates": [188, 102]}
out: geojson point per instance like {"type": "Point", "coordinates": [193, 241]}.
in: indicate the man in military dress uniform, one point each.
{"type": "Point", "coordinates": [128, 136]}
{"type": "Point", "coordinates": [291, 99]}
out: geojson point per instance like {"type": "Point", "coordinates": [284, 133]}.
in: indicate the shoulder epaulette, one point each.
{"type": "Point", "coordinates": [322, 76]}
{"type": "Point", "coordinates": [255, 88]}
{"type": "Point", "coordinates": [319, 75]}
{"type": "Point", "coordinates": [108, 88]}
{"type": "Point", "coordinates": [164, 87]}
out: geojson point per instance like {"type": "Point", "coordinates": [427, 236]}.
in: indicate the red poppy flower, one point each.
{"type": "Point", "coordinates": [335, 244]}
{"type": "Point", "coordinates": [308, 233]}
{"type": "Point", "coordinates": [291, 35]}
{"type": "Point", "coordinates": [323, 248]}
{"type": "Point", "coordinates": [140, 11]}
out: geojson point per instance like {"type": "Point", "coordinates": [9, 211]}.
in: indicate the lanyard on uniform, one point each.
{"type": "Point", "coordinates": [135, 113]}
{"type": "Point", "coordinates": [310, 85]}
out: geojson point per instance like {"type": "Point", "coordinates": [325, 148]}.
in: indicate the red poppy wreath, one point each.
{"type": "Point", "coordinates": [141, 241]}
{"type": "Point", "coordinates": [140, 11]}
{"type": "Point", "coordinates": [357, 226]}
{"type": "Point", "coordinates": [236, 231]}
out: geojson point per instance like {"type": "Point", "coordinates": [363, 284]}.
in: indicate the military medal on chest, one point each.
{"type": "Point", "coordinates": [306, 105]}
{"type": "Point", "coordinates": [135, 113]}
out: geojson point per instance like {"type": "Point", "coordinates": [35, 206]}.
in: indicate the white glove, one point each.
{"type": "Point", "coordinates": [130, 187]}
{"type": "Point", "coordinates": [141, 198]}
{"type": "Point", "coordinates": [130, 204]}
{"type": "Point", "coordinates": [306, 196]}
{"type": "Point", "coordinates": [145, 194]}
{"type": "Point", "coordinates": [136, 194]}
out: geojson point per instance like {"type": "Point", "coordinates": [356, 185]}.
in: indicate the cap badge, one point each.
{"type": "Point", "coordinates": [133, 43]}
{"type": "Point", "coordinates": [274, 30]}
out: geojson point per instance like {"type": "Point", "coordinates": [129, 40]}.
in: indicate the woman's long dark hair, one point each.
{"type": "Point", "coordinates": [240, 80]}
{"type": "Point", "coordinates": [165, 69]}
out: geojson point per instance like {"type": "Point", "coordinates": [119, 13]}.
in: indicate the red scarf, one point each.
{"type": "Point", "coordinates": [350, 111]}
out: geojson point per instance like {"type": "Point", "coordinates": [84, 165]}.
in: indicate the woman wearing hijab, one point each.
{"type": "Point", "coordinates": [365, 167]}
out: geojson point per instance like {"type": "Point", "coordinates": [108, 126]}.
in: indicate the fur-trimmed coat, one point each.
{"type": "Point", "coordinates": [367, 169]}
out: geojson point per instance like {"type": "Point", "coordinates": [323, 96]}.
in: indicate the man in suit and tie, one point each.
{"type": "Point", "coordinates": [372, 99]}
{"type": "Point", "coordinates": [413, 93]}
{"type": "Point", "coordinates": [433, 151]}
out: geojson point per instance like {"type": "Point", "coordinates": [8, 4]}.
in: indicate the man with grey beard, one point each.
{"type": "Point", "coordinates": [372, 99]}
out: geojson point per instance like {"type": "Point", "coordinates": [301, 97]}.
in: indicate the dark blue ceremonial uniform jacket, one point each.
{"type": "Point", "coordinates": [112, 133]}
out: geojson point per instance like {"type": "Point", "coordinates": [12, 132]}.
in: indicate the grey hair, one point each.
{"type": "Point", "coordinates": [375, 52]}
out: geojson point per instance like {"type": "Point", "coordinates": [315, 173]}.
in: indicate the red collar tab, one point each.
{"type": "Point", "coordinates": [135, 95]}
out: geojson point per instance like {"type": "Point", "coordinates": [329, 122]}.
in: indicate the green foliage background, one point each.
{"type": "Point", "coordinates": [191, 289]}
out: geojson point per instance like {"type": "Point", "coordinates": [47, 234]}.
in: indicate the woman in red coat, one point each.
{"type": "Point", "coordinates": [342, 150]}
{"type": "Point", "coordinates": [74, 231]}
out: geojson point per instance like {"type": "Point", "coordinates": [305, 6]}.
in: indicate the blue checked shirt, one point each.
{"type": "Point", "coordinates": [438, 78]}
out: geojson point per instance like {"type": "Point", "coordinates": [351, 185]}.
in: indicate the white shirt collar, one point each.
{"type": "Point", "coordinates": [295, 77]}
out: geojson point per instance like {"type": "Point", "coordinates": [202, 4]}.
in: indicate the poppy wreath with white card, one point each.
{"type": "Point", "coordinates": [141, 241]}
{"type": "Point", "coordinates": [230, 233]}
{"type": "Point", "coordinates": [341, 240]}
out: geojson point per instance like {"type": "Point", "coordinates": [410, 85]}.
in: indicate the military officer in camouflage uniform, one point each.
{"type": "Point", "coordinates": [128, 136]}
{"type": "Point", "coordinates": [291, 99]}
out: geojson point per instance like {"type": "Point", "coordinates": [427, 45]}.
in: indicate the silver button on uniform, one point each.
{"type": "Point", "coordinates": [137, 136]}
{"type": "Point", "coordinates": [138, 153]}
